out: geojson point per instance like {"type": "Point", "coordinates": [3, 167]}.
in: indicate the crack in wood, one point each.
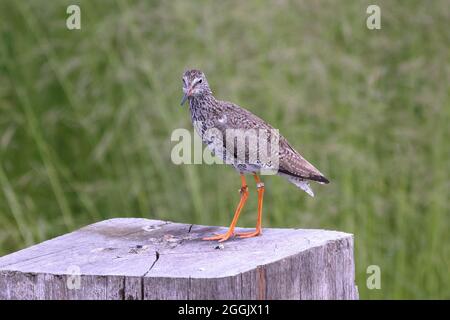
{"type": "Point", "coordinates": [153, 264]}
{"type": "Point", "coordinates": [261, 282]}
{"type": "Point", "coordinates": [123, 289]}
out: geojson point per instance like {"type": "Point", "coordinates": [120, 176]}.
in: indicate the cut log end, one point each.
{"type": "Point", "coordinates": [151, 259]}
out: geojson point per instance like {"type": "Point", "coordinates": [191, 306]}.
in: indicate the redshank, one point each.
{"type": "Point", "coordinates": [210, 115]}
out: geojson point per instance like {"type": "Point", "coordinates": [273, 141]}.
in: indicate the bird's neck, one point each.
{"type": "Point", "coordinates": [201, 104]}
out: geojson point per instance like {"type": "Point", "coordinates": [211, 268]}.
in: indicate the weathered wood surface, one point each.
{"type": "Point", "coordinates": [151, 259]}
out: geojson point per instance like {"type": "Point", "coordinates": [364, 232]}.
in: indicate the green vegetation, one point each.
{"type": "Point", "coordinates": [86, 118]}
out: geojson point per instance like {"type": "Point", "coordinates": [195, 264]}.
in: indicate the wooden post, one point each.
{"type": "Point", "coordinates": [151, 259]}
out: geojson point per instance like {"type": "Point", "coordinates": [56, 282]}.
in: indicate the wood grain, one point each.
{"type": "Point", "coordinates": [151, 259]}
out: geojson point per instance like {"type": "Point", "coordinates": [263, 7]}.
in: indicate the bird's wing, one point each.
{"type": "Point", "coordinates": [293, 164]}
{"type": "Point", "coordinates": [290, 162]}
{"type": "Point", "coordinates": [236, 118]}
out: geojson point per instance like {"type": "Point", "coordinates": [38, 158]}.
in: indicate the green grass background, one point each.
{"type": "Point", "coordinates": [86, 118]}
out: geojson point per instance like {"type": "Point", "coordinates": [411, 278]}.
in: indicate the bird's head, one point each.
{"type": "Point", "coordinates": [194, 84]}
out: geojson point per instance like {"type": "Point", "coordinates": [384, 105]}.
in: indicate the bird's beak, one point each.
{"type": "Point", "coordinates": [183, 100]}
{"type": "Point", "coordinates": [185, 96]}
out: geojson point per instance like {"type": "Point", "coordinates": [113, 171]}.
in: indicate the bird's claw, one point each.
{"type": "Point", "coordinates": [220, 237]}
{"type": "Point", "coordinates": [250, 234]}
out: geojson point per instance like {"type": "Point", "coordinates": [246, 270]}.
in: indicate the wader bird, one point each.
{"type": "Point", "coordinates": [212, 119]}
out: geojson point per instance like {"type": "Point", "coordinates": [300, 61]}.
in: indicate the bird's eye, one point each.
{"type": "Point", "coordinates": [200, 81]}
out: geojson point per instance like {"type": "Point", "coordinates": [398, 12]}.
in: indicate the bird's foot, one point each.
{"type": "Point", "coordinates": [220, 237]}
{"type": "Point", "coordinates": [250, 234]}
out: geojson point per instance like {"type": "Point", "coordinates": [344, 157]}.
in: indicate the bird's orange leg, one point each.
{"type": "Point", "coordinates": [230, 232]}
{"type": "Point", "coordinates": [258, 231]}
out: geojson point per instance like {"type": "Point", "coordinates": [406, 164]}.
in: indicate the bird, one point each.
{"type": "Point", "coordinates": [214, 119]}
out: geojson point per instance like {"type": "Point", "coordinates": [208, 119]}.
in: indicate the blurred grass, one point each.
{"type": "Point", "coordinates": [86, 118]}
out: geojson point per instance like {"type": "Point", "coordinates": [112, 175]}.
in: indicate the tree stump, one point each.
{"type": "Point", "coordinates": [127, 258]}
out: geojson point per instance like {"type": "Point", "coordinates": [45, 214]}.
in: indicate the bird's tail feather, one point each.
{"type": "Point", "coordinates": [302, 184]}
